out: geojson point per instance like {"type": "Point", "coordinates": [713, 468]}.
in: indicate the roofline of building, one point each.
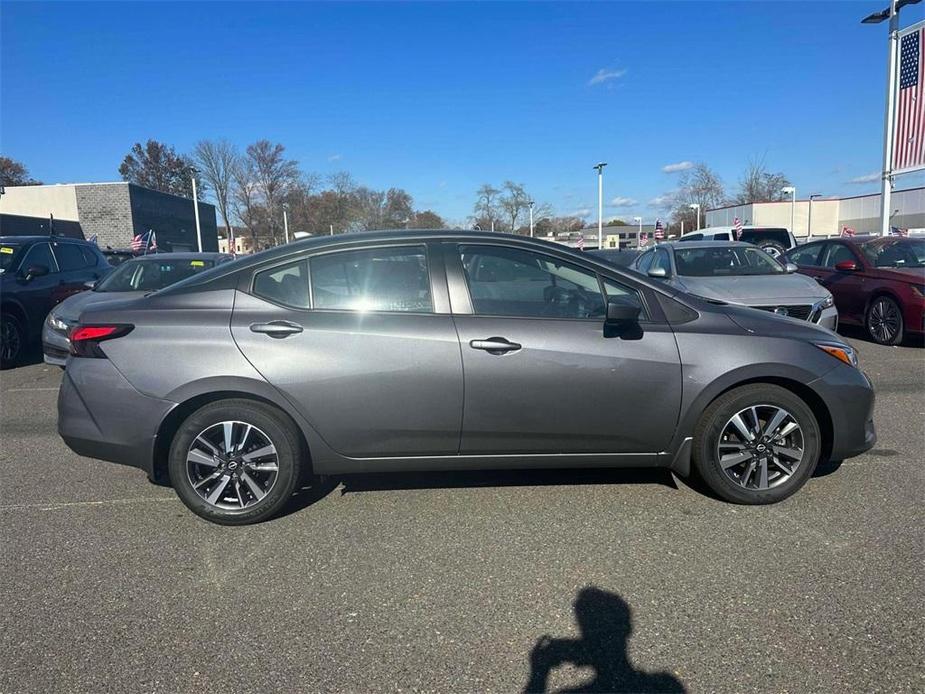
{"type": "Point", "coordinates": [828, 199]}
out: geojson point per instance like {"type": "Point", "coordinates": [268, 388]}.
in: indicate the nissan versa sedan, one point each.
{"type": "Point", "coordinates": [739, 273]}
{"type": "Point", "coordinates": [131, 279]}
{"type": "Point", "coordinates": [392, 351]}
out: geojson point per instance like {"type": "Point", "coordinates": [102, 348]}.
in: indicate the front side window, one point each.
{"type": "Point", "coordinates": [724, 261]}
{"type": "Point", "coordinates": [378, 279]}
{"type": "Point", "coordinates": [662, 261]}
{"type": "Point", "coordinates": [645, 262]}
{"type": "Point", "coordinates": [837, 253]}
{"type": "Point", "coordinates": [40, 254]}
{"type": "Point", "coordinates": [805, 255]}
{"type": "Point", "coordinates": [286, 284]}
{"type": "Point", "coordinates": [513, 282]}
{"type": "Point", "coordinates": [624, 295]}
{"type": "Point", "coordinates": [895, 252]}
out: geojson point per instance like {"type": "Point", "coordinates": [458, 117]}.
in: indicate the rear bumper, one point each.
{"type": "Point", "coordinates": [849, 396]}
{"type": "Point", "coordinates": [100, 415]}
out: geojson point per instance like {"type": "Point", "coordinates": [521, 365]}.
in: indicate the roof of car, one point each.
{"type": "Point", "coordinates": [182, 255]}
{"type": "Point", "coordinates": [705, 244]}
{"type": "Point", "coordinates": [37, 237]}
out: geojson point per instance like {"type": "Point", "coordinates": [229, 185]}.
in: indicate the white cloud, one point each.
{"type": "Point", "coordinates": [582, 212]}
{"type": "Point", "coordinates": [442, 184]}
{"type": "Point", "coordinates": [620, 201]}
{"type": "Point", "coordinates": [663, 201]}
{"type": "Point", "coordinates": [335, 157]}
{"type": "Point", "coordinates": [869, 178]}
{"type": "Point", "coordinates": [605, 75]}
{"type": "Point", "coordinates": [679, 166]}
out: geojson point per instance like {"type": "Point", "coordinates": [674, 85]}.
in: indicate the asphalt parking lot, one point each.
{"type": "Point", "coordinates": [452, 582]}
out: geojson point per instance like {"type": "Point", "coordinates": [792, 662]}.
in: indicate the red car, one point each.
{"type": "Point", "coordinates": [878, 281]}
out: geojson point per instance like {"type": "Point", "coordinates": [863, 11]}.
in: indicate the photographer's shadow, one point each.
{"type": "Point", "coordinates": [606, 623]}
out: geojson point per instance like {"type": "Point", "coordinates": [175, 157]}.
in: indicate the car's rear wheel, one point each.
{"type": "Point", "coordinates": [884, 321]}
{"type": "Point", "coordinates": [235, 462]}
{"type": "Point", "coordinates": [756, 444]}
{"type": "Point", "coordinates": [12, 340]}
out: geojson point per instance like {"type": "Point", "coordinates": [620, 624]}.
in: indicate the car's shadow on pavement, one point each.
{"type": "Point", "coordinates": [319, 488]}
{"type": "Point", "coordinates": [605, 623]}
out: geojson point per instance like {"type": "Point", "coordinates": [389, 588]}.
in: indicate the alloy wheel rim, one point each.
{"type": "Point", "coordinates": [9, 341]}
{"type": "Point", "coordinates": [232, 465]}
{"type": "Point", "coordinates": [760, 447]}
{"type": "Point", "coordinates": [884, 320]}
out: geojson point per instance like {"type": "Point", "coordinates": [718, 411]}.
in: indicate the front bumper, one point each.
{"type": "Point", "coordinates": [828, 318]}
{"type": "Point", "coordinates": [101, 415]}
{"type": "Point", "coordinates": [849, 397]}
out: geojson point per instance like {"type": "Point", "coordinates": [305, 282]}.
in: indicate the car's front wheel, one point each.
{"type": "Point", "coordinates": [884, 321]}
{"type": "Point", "coordinates": [235, 462]}
{"type": "Point", "coordinates": [12, 340]}
{"type": "Point", "coordinates": [756, 444]}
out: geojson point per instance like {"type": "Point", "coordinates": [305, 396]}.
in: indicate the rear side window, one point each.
{"type": "Point", "coordinates": [89, 256]}
{"type": "Point", "coordinates": [805, 255]}
{"type": "Point", "coordinates": [837, 253]}
{"type": "Point", "coordinates": [378, 279]}
{"type": "Point", "coordinates": [69, 257]}
{"type": "Point", "coordinates": [286, 285]}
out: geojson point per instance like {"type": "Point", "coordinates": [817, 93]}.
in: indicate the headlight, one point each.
{"type": "Point", "coordinates": [841, 352]}
{"type": "Point", "coordinates": [827, 302]}
{"type": "Point", "coordinates": [57, 324]}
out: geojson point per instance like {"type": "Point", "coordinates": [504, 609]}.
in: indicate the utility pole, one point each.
{"type": "Point", "coordinates": [193, 173]}
{"type": "Point", "coordinates": [286, 224]}
{"type": "Point", "coordinates": [600, 202]}
{"type": "Point", "coordinates": [809, 221]}
{"type": "Point", "coordinates": [531, 219]}
{"type": "Point", "coordinates": [696, 206]}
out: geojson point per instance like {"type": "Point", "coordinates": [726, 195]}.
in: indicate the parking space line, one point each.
{"type": "Point", "coordinates": [23, 390]}
{"type": "Point", "coordinates": [56, 505]}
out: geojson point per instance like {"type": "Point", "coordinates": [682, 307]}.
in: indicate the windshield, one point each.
{"type": "Point", "coordinates": [895, 252]}
{"type": "Point", "coordinates": [724, 261]}
{"type": "Point", "coordinates": [151, 275]}
{"type": "Point", "coordinates": [8, 254]}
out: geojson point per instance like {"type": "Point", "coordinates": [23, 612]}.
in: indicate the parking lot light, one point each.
{"type": "Point", "coordinates": [696, 206]}
{"type": "Point", "coordinates": [809, 220]}
{"type": "Point", "coordinates": [792, 192]}
{"type": "Point", "coordinates": [192, 173]}
{"type": "Point", "coordinates": [600, 202]}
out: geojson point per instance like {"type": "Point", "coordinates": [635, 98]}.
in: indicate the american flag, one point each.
{"type": "Point", "coordinates": [737, 225]}
{"type": "Point", "coordinates": [659, 230]}
{"type": "Point", "coordinates": [909, 123]}
{"type": "Point", "coordinates": [847, 231]}
{"type": "Point", "coordinates": [896, 231]}
{"type": "Point", "coordinates": [144, 242]}
{"type": "Point", "coordinates": [581, 243]}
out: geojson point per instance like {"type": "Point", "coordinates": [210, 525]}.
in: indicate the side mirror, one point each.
{"type": "Point", "coordinates": [790, 268]}
{"type": "Point", "coordinates": [34, 271]}
{"type": "Point", "coordinates": [846, 266]}
{"type": "Point", "coordinates": [618, 312]}
{"type": "Point", "coordinates": [90, 284]}
{"type": "Point", "coordinates": [658, 273]}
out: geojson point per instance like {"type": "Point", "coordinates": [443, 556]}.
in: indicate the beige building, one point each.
{"type": "Point", "coordinates": [829, 215]}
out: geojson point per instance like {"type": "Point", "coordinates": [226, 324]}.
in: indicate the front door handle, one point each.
{"type": "Point", "coordinates": [276, 328]}
{"type": "Point", "coordinates": [495, 345]}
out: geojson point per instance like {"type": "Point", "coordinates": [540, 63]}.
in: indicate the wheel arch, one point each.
{"type": "Point", "coordinates": [176, 417]}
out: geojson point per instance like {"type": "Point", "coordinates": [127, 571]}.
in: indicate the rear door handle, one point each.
{"type": "Point", "coordinates": [276, 328]}
{"type": "Point", "coordinates": [495, 345]}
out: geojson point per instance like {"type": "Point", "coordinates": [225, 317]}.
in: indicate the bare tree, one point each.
{"type": "Point", "coordinates": [14, 173]}
{"type": "Point", "coordinates": [699, 185]}
{"type": "Point", "coordinates": [760, 185]}
{"type": "Point", "coordinates": [217, 162]}
{"type": "Point", "coordinates": [486, 206]}
{"type": "Point", "coordinates": [514, 201]}
{"type": "Point", "coordinates": [274, 176]}
{"type": "Point", "coordinates": [428, 219]}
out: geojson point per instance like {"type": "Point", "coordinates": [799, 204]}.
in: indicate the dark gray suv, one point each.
{"type": "Point", "coordinates": [448, 350]}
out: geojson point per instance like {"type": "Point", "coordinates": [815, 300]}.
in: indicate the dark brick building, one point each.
{"type": "Point", "coordinates": [115, 212]}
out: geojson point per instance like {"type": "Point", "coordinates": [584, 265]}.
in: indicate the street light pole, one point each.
{"type": "Point", "coordinates": [696, 206]}
{"type": "Point", "coordinates": [638, 219]}
{"type": "Point", "coordinates": [193, 173]}
{"type": "Point", "coordinates": [531, 219]}
{"type": "Point", "coordinates": [809, 221]}
{"type": "Point", "coordinates": [792, 191]}
{"type": "Point", "coordinates": [286, 224]}
{"type": "Point", "coordinates": [600, 202]}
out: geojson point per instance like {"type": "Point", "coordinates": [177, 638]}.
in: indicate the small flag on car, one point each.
{"type": "Point", "coordinates": [581, 243]}
{"type": "Point", "coordinates": [737, 225]}
{"type": "Point", "coordinates": [847, 231]}
{"type": "Point", "coordinates": [659, 230]}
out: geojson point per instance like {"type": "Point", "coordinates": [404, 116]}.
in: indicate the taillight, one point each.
{"type": "Point", "coordinates": [85, 339]}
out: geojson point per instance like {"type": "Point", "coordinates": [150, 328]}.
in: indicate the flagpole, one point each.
{"type": "Point", "coordinates": [886, 184]}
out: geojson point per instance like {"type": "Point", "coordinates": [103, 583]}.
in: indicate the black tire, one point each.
{"type": "Point", "coordinates": [884, 321]}
{"type": "Point", "coordinates": [775, 250]}
{"type": "Point", "coordinates": [269, 423]}
{"type": "Point", "coordinates": [12, 341]}
{"type": "Point", "coordinates": [714, 420]}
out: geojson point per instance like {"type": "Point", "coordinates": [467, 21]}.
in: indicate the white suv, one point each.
{"type": "Point", "coordinates": [775, 241]}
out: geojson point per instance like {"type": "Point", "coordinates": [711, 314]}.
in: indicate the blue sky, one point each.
{"type": "Point", "coordinates": [439, 98]}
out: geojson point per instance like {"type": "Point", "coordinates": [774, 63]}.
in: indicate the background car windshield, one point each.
{"type": "Point", "coordinates": [896, 252]}
{"type": "Point", "coordinates": [723, 261]}
{"type": "Point", "coordinates": [151, 275]}
{"type": "Point", "coordinates": [8, 253]}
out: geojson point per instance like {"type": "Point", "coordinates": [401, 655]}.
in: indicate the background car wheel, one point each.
{"type": "Point", "coordinates": [756, 444]}
{"type": "Point", "coordinates": [235, 462]}
{"type": "Point", "coordinates": [12, 341]}
{"type": "Point", "coordinates": [775, 250]}
{"type": "Point", "coordinates": [884, 321]}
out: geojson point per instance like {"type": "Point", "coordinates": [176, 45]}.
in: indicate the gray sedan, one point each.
{"type": "Point", "coordinates": [450, 350]}
{"type": "Point", "coordinates": [739, 273]}
{"type": "Point", "coordinates": [130, 280]}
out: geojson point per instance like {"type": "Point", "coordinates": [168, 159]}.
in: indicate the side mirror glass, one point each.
{"type": "Point", "coordinates": [618, 312]}
{"type": "Point", "coordinates": [790, 268]}
{"type": "Point", "coordinates": [846, 266]}
{"type": "Point", "coordinates": [658, 273]}
{"type": "Point", "coordinates": [34, 271]}
{"type": "Point", "coordinates": [90, 284]}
